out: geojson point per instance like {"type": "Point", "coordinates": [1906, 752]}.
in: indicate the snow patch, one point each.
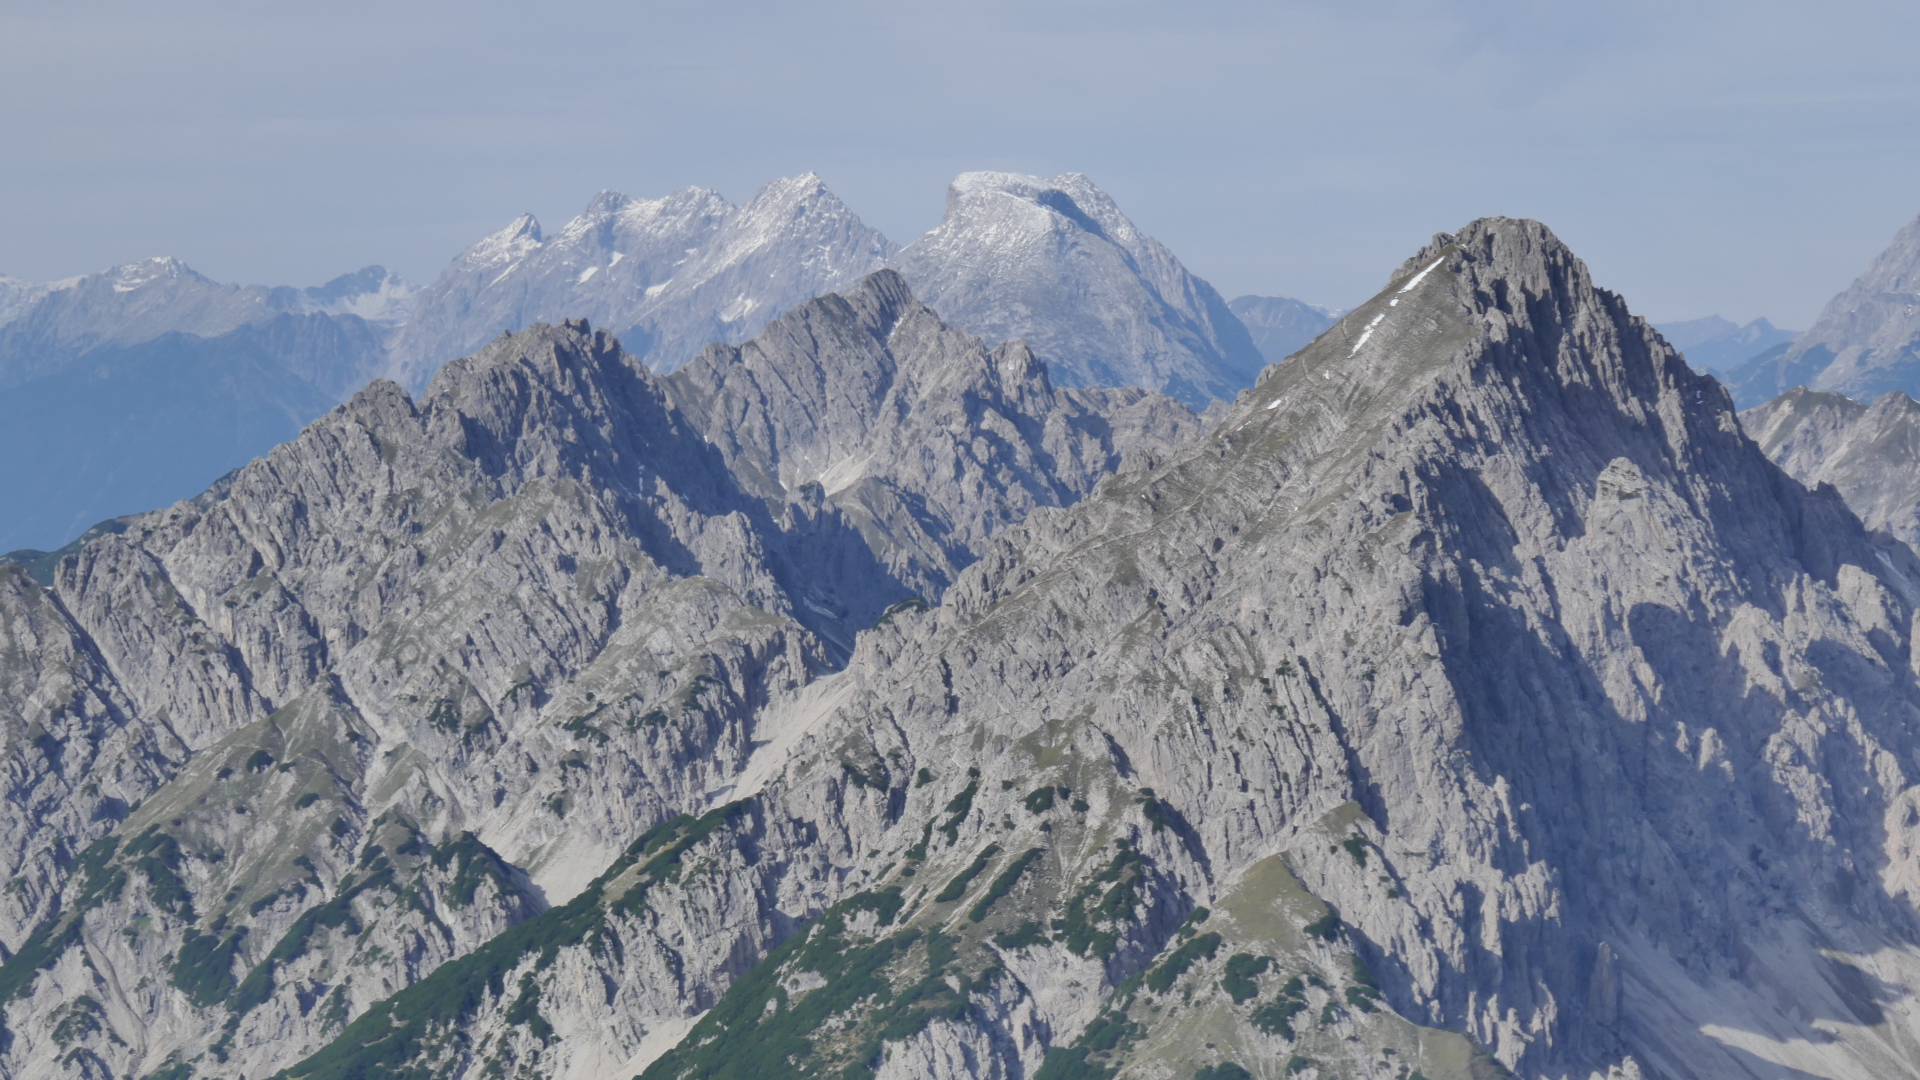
{"type": "Point", "coordinates": [1367, 333]}
{"type": "Point", "coordinates": [586, 275]}
{"type": "Point", "coordinates": [1421, 276]}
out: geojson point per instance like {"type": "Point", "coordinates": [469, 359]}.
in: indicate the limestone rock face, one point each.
{"type": "Point", "coordinates": [427, 670]}
{"type": "Point", "coordinates": [1476, 697]}
{"type": "Point", "coordinates": [1869, 453]}
{"type": "Point", "coordinates": [1865, 343]}
{"type": "Point", "coordinates": [76, 761]}
{"type": "Point", "coordinates": [666, 276]}
{"type": "Point", "coordinates": [903, 440]}
{"type": "Point", "coordinates": [1054, 261]}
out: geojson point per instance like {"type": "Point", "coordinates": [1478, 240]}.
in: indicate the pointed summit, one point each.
{"type": "Point", "coordinates": [1055, 262]}
{"type": "Point", "coordinates": [1530, 563]}
{"type": "Point", "coordinates": [1476, 687]}
{"type": "Point", "coordinates": [507, 247]}
{"type": "Point", "coordinates": [666, 275]}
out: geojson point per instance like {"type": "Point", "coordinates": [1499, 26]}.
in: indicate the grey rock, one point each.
{"type": "Point", "coordinates": [509, 627]}
{"type": "Point", "coordinates": [77, 761]}
{"type": "Point", "coordinates": [1476, 696]}
{"type": "Point", "coordinates": [666, 276]}
{"type": "Point", "coordinates": [1869, 453]}
{"type": "Point", "coordinates": [1865, 343]}
{"type": "Point", "coordinates": [899, 420]}
{"type": "Point", "coordinates": [1478, 672]}
{"type": "Point", "coordinates": [1054, 262]}
{"type": "Point", "coordinates": [1281, 326]}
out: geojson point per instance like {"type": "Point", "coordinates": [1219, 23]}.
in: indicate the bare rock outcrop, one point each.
{"type": "Point", "coordinates": [1476, 698]}
{"type": "Point", "coordinates": [1869, 453]}
{"type": "Point", "coordinates": [428, 669]}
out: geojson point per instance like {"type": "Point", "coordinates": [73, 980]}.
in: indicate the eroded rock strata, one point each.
{"type": "Point", "coordinates": [1475, 697]}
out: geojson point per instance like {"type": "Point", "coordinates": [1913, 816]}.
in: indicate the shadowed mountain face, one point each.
{"type": "Point", "coordinates": [873, 405]}
{"type": "Point", "coordinates": [1870, 453]}
{"type": "Point", "coordinates": [1054, 261]}
{"type": "Point", "coordinates": [666, 276]}
{"type": "Point", "coordinates": [1475, 697]}
{"type": "Point", "coordinates": [283, 750]}
{"type": "Point", "coordinates": [1477, 672]}
{"type": "Point", "coordinates": [1864, 344]}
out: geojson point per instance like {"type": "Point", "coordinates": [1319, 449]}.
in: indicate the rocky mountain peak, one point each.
{"type": "Point", "coordinates": [147, 272]}
{"type": "Point", "coordinates": [519, 239]}
{"type": "Point", "coordinates": [1054, 261]}
{"type": "Point", "coordinates": [667, 276]}
{"type": "Point", "coordinates": [1067, 201]}
{"type": "Point", "coordinates": [605, 205]}
{"type": "Point", "coordinates": [1501, 291]}
{"type": "Point", "coordinates": [1865, 342]}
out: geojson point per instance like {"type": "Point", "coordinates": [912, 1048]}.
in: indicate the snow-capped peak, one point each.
{"type": "Point", "coordinates": [1068, 200]}
{"type": "Point", "coordinates": [509, 245]}
{"type": "Point", "coordinates": [135, 275]}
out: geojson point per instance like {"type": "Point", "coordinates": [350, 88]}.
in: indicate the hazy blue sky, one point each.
{"type": "Point", "coordinates": [1741, 158]}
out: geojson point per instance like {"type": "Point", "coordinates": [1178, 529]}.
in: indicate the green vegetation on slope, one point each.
{"type": "Point", "coordinates": [417, 1023]}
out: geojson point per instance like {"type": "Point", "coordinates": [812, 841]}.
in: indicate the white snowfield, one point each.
{"type": "Point", "coordinates": [668, 275]}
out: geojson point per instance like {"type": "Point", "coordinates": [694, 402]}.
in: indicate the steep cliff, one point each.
{"type": "Point", "coordinates": [1869, 453]}
{"type": "Point", "coordinates": [430, 667]}
{"type": "Point", "coordinates": [1478, 687]}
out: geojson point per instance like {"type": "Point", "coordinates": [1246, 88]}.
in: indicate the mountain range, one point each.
{"type": "Point", "coordinates": [138, 386]}
{"type": "Point", "coordinates": [1474, 698]}
{"type": "Point", "coordinates": [1054, 262]}
{"type": "Point", "coordinates": [1865, 343]}
{"type": "Point", "coordinates": [666, 276]}
{"type": "Point", "coordinates": [1719, 345]}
